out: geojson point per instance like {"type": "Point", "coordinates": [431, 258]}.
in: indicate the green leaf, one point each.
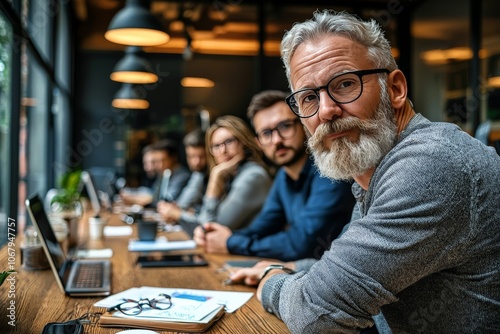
{"type": "Point", "coordinates": [4, 275]}
{"type": "Point", "coordinates": [68, 187]}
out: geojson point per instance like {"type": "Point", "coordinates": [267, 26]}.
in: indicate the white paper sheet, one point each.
{"type": "Point", "coordinates": [94, 253]}
{"type": "Point", "coordinates": [117, 231]}
{"type": "Point", "coordinates": [232, 300]}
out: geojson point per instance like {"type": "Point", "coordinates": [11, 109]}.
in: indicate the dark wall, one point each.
{"type": "Point", "coordinates": [100, 129]}
{"type": "Point", "coordinates": [98, 123]}
{"type": "Point", "coordinates": [236, 79]}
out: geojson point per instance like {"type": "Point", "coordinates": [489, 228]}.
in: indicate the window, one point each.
{"type": "Point", "coordinates": [34, 101]}
{"type": "Point", "coordinates": [443, 60]}
{"type": "Point", "coordinates": [5, 121]}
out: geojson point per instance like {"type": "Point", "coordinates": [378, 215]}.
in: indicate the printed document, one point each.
{"type": "Point", "coordinates": [187, 304]}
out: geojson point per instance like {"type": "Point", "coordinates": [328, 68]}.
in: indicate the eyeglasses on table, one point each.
{"type": "Point", "coordinates": [134, 307]}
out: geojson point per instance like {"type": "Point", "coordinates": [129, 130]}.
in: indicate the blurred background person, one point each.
{"type": "Point", "coordinates": [143, 195]}
{"type": "Point", "coordinates": [150, 176]}
{"type": "Point", "coordinates": [171, 175]}
{"type": "Point", "coordinates": [191, 197]}
{"type": "Point", "coordinates": [174, 176]}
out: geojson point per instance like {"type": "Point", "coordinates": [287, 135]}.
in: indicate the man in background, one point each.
{"type": "Point", "coordinates": [303, 212]}
{"type": "Point", "coordinates": [191, 196]}
{"type": "Point", "coordinates": [147, 164]}
{"type": "Point", "coordinates": [171, 176]}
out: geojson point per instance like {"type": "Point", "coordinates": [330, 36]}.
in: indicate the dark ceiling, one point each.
{"type": "Point", "coordinates": [221, 26]}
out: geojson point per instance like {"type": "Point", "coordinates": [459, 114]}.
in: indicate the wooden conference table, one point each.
{"type": "Point", "coordinates": [38, 299]}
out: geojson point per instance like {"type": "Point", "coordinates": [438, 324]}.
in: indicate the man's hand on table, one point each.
{"type": "Point", "coordinates": [213, 237]}
{"type": "Point", "coordinates": [253, 276]}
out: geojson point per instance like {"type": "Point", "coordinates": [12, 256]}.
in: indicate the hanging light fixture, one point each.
{"type": "Point", "coordinates": [136, 25]}
{"type": "Point", "coordinates": [196, 82]}
{"type": "Point", "coordinates": [494, 71]}
{"type": "Point", "coordinates": [133, 68]}
{"type": "Point", "coordinates": [130, 97]}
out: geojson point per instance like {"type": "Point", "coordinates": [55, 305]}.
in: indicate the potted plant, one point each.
{"type": "Point", "coordinates": [66, 204]}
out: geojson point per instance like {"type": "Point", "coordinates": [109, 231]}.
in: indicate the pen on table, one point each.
{"type": "Point", "coordinates": [229, 281]}
{"type": "Point", "coordinates": [203, 228]}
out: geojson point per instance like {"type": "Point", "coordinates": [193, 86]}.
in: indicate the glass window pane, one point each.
{"type": "Point", "coordinates": [441, 61]}
{"type": "Point", "coordinates": [5, 87]}
{"type": "Point", "coordinates": [38, 93]}
{"type": "Point", "coordinates": [491, 68]}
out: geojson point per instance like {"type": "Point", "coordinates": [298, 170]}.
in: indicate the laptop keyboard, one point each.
{"type": "Point", "coordinates": [89, 275]}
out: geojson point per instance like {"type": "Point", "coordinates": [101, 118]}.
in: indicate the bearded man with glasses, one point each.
{"type": "Point", "coordinates": [425, 249]}
{"type": "Point", "coordinates": [303, 212]}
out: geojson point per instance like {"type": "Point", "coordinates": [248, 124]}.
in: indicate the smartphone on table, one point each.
{"type": "Point", "coordinates": [167, 260]}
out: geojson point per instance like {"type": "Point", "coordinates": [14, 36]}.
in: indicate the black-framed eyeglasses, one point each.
{"type": "Point", "coordinates": [217, 149]}
{"type": "Point", "coordinates": [285, 130]}
{"type": "Point", "coordinates": [134, 307]}
{"type": "Point", "coordinates": [343, 88]}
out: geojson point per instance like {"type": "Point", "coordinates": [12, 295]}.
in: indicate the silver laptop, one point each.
{"type": "Point", "coordinates": [75, 277]}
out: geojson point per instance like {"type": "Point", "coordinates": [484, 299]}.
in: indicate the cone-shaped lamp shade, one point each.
{"type": "Point", "coordinates": [130, 97]}
{"type": "Point", "coordinates": [133, 68]}
{"type": "Point", "coordinates": [135, 25]}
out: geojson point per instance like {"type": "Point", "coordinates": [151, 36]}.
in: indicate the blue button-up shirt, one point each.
{"type": "Point", "coordinates": [299, 218]}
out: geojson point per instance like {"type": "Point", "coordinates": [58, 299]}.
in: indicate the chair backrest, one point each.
{"type": "Point", "coordinates": [483, 132]}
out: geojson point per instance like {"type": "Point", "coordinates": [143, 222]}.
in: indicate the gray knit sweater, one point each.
{"type": "Point", "coordinates": [246, 195]}
{"type": "Point", "coordinates": [425, 252]}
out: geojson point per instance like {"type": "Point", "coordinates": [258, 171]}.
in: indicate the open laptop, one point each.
{"type": "Point", "coordinates": [106, 184]}
{"type": "Point", "coordinates": [77, 278]}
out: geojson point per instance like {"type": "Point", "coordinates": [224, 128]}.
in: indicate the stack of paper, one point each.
{"type": "Point", "coordinates": [192, 310]}
{"type": "Point", "coordinates": [230, 299]}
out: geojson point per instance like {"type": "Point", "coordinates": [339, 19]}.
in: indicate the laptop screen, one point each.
{"type": "Point", "coordinates": [41, 221]}
{"type": "Point", "coordinates": [89, 185]}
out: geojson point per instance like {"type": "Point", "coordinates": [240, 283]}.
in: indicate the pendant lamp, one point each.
{"type": "Point", "coordinates": [133, 68]}
{"type": "Point", "coordinates": [197, 82]}
{"type": "Point", "coordinates": [130, 96]}
{"type": "Point", "coordinates": [136, 25]}
{"type": "Point", "coordinates": [494, 71]}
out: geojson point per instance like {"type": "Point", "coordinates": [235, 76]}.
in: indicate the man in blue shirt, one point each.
{"type": "Point", "coordinates": [303, 212]}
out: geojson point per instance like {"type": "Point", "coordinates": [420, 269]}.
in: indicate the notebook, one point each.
{"type": "Point", "coordinates": [75, 277]}
{"type": "Point", "coordinates": [157, 323]}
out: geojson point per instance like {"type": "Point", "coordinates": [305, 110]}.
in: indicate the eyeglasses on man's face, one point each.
{"type": "Point", "coordinates": [285, 130]}
{"type": "Point", "coordinates": [218, 149]}
{"type": "Point", "coordinates": [134, 307]}
{"type": "Point", "coordinates": [343, 88]}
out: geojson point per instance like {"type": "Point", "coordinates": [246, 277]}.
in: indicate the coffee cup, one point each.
{"type": "Point", "coordinates": [96, 228]}
{"type": "Point", "coordinates": [147, 229]}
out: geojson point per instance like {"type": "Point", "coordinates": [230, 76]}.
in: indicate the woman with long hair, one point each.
{"type": "Point", "coordinates": [239, 179]}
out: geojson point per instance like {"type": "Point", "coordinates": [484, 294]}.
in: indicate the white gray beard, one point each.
{"type": "Point", "coordinates": [345, 159]}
